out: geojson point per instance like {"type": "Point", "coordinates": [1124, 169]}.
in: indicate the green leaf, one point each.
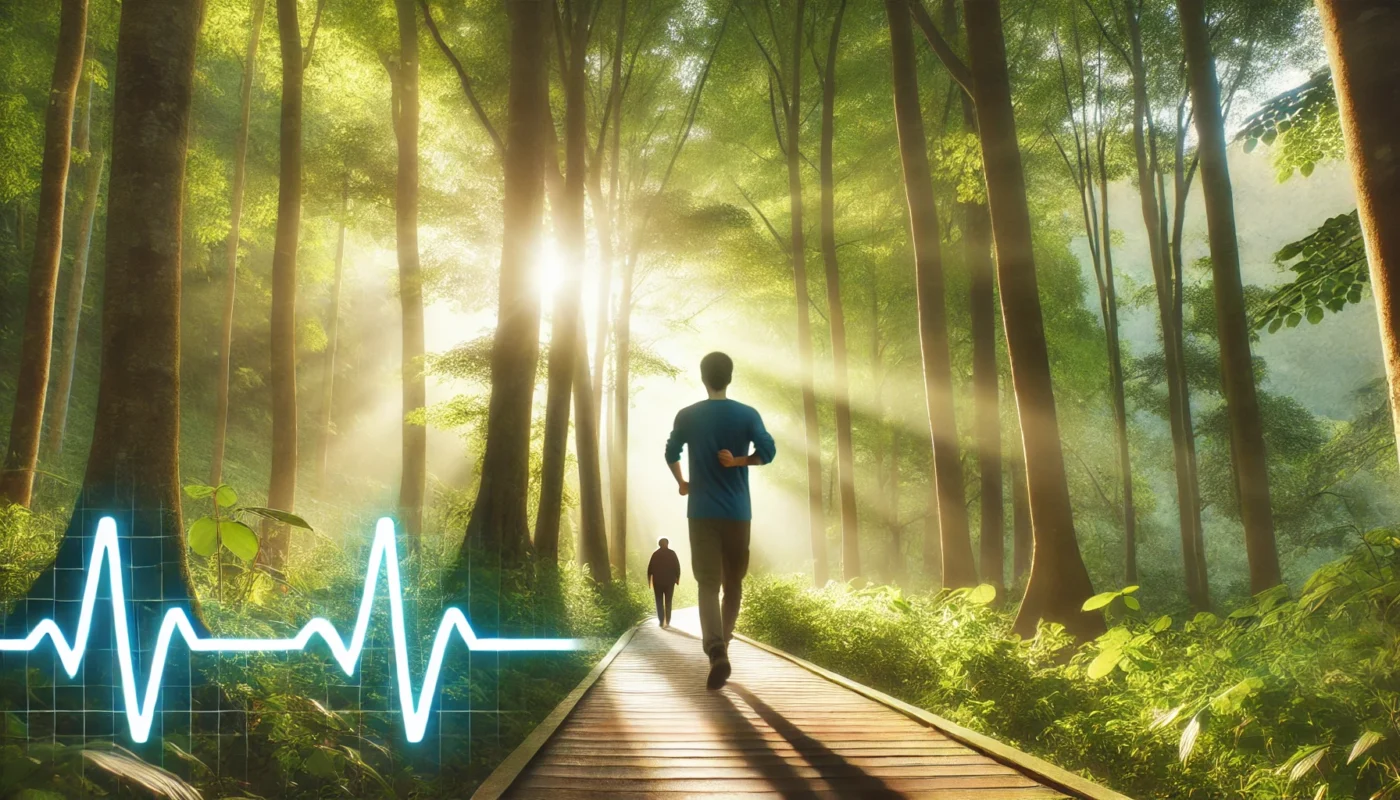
{"type": "Point", "coordinates": [1307, 168]}
{"type": "Point", "coordinates": [199, 491]}
{"type": "Point", "coordinates": [1100, 600]}
{"type": "Point", "coordinates": [1250, 144]}
{"type": "Point", "coordinates": [285, 517]}
{"type": "Point", "coordinates": [1189, 737]}
{"type": "Point", "coordinates": [1104, 663]}
{"type": "Point", "coordinates": [204, 536]}
{"type": "Point", "coordinates": [1161, 625]}
{"type": "Point", "coordinates": [225, 496]}
{"type": "Point", "coordinates": [1132, 603]}
{"type": "Point", "coordinates": [982, 595]}
{"type": "Point", "coordinates": [1315, 315]}
{"type": "Point", "coordinates": [1305, 760]}
{"type": "Point", "coordinates": [239, 539]}
{"type": "Point", "coordinates": [1368, 740]}
{"type": "Point", "coordinates": [1130, 589]}
{"type": "Point", "coordinates": [1293, 319]}
{"type": "Point", "coordinates": [321, 764]}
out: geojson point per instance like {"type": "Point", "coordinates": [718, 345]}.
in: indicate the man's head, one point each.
{"type": "Point", "coordinates": [663, 542]}
{"type": "Point", "coordinates": [716, 370]}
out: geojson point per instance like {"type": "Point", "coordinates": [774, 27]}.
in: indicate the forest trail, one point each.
{"type": "Point", "coordinates": [643, 725]}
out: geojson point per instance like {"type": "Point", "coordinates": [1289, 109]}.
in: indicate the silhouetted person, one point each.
{"type": "Point", "coordinates": [719, 510]}
{"type": "Point", "coordinates": [663, 573]}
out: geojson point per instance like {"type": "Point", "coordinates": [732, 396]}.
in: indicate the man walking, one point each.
{"type": "Point", "coordinates": [712, 431]}
{"type": "Point", "coordinates": [663, 573]}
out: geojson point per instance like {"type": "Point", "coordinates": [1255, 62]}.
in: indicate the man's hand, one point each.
{"type": "Point", "coordinates": [684, 487]}
{"type": "Point", "coordinates": [727, 459]}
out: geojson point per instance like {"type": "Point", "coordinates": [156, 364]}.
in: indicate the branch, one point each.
{"type": "Point", "coordinates": [462, 76]}
{"type": "Point", "coordinates": [311, 40]}
{"type": "Point", "coordinates": [783, 244]}
{"type": "Point", "coordinates": [957, 70]}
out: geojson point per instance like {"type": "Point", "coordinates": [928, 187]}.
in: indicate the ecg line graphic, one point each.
{"type": "Point", "coordinates": [140, 711]}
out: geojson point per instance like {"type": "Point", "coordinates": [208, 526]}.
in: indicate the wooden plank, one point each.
{"type": "Point", "coordinates": [1052, 775]}
{"type": "Point", "coordinates": [506, 772]}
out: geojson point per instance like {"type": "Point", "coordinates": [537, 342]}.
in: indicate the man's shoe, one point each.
{"type": "Point", "coordinates": [719, 670]}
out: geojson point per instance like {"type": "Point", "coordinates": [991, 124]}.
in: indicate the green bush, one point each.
{"type": "Point", "coordinates": [1282, 698]}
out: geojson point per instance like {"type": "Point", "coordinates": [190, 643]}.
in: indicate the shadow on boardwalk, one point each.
{"type": "Point", "coordinates": [649, 728]}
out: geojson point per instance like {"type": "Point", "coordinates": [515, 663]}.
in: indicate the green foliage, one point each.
{"type": "Point", "coordinates": [1303, 122]}
{"type": "Point", "coordinates": [1332, 272]}
{"type": "Point", "coordinates": [1277, 699]}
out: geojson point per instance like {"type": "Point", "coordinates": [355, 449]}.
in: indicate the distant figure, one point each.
{"type": "Point", "coordinates": [663, 573]}
{"type": "Point", "coordinates": [719, 511]}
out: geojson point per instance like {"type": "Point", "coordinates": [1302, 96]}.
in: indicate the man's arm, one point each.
{"type": "Point", "coordinates": [673, 456]}
{"type": "Point", "coordinates": [764, 448]}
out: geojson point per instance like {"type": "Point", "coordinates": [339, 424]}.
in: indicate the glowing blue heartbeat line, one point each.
{"type": "Point", "coordinates": [141, 711]}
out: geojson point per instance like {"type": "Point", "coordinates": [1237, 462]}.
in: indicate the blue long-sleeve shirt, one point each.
{"type": "Point", "coordinates": [704, 429]}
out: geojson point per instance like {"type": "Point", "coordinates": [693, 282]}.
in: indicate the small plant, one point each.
{"type": "Point", "coordinates": [224, 528]}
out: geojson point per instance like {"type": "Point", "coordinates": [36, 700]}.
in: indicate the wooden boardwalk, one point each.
{"type": "Point", "coordinates": [643, 725]}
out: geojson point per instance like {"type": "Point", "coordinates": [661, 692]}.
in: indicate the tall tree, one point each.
{"type": "Point", "coordinates": [1168, 282]}
{"type": "Point", "coordinates": [133, 468]}
{"type": "Point", "coordinates": [841, 394]}
{"type": "Point", "coordinates": [282, 483]}
{"type": "Point", "coordinates": [955, 543]}
{"type": "Point", "coordinates": [1059, 583]}
{"type": "Point", "coordinates": [499, 520]}
{"type": "Point", "coordinates": [1236, 363]}
{"type": "Point", "coordinates": [31, 385]}
{"type": "Point", "coordinates": [1088, 169]}
{"type": "Point", "coordinates": [323, 441]}
{"type": "Point", "coordinates": [986, 403]}
{"type": "Point", "coordinates": [404, 76]}
{"type": "Point", "coordinates": [605, 222]}
{"type": "Point", "coordinates": [240, 163]}
{"type": "Point", "coordinates": [92, 170]}
{"type": "Point", "coordinates": [1363, 37]}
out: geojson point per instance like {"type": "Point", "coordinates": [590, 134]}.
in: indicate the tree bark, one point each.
{"type": "Point", "coordinates": [841, 395]}
{"type": "Point", "coordinates": [323, 442]}
{"type": "Point", "coordinates": [133, 469]}
{"type": "Point", "coordinates": [31, 384]}
{"type": "Point", "coordinates": [414, 478]}
{"type": "Point", "coordinates": [73, 312]}
{"type": "Point", "coordinates": [1236, 363]}
{"type": "Point", "coordinates": [1362, 39]}
{"type": "Point", "coordinates": [1059, 583]}
{"type": "Point", "coordinates": [958, 568]}
{"type": "Point", "coordinates": [792, 113]}
{"type": "Point", "coordinates": [1178, 391]}
{"type": "Point", "coordinates": [282, 484]}
{"type": "Point", "coordinates": [499, 521]}
{"type": "Point", "coordinates": [1021, 540]}
{"type": "Point", "coordinates": [240, 161]}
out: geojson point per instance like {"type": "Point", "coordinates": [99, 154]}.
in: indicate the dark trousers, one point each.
{"type": "Point", "coordinates": [663, 602]}
{"type": "Point", "coordinates": [719, 558]}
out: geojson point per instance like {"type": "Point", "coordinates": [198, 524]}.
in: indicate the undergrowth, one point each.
{"type": "Point", "coordinates": [1286, 697]}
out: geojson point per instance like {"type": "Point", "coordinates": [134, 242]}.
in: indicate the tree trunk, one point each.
{"type": "Point", "coordinates": [413, 482]}
{"type": "Point", "coordinates": [565, 344]}
{"type": "Point", "coordinates": [602, 214]}
{"type": "Point", "coordinates": [1115, 374]}
{"type": "Point", "coordinates": [499, 521]}
{"type": "Point", "coordinates": [897, 567]}
{"type": "Point", "coordinates": [73, 313]}
{"type": "Point", "coordinates": [622, 367]}
{"type": "Point", "coordinates": [323, 442]}
{"type": "Point", "coordinates": [133, 470]}
{"type": "Point", "coordinates": [240, 161]}
{"type": "Point", "coordinates": [977, 244]}
{"type": "Point", "coordinates": [593, 533]}
{"type": "Point", "coordinates": [282, 484]}
{"type": "Point", "coordinates": [1362, 39]}
{"type": "Point", "coordinates": [31, 385]}
{"type": "Point", "coordinates": [1059, 583]}
{"type": "Point", "coordinates": [841, 396]}
{"type": "Point", "coordinates": [1236, 363]}
{"type": "Point", "coordinates": [816, 514]}
{"type": "Point", "coordinates": [1021, 540]}
{"type": "Point", "coordinates": [958, 566]}
{"type": "Point", "coordinates": [1178, 391]}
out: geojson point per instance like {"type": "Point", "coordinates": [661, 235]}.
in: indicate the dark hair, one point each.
{"type": "Point", "coordinates": [716, 370]}
{"type": "Point", "coordinates": [662, 542]}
